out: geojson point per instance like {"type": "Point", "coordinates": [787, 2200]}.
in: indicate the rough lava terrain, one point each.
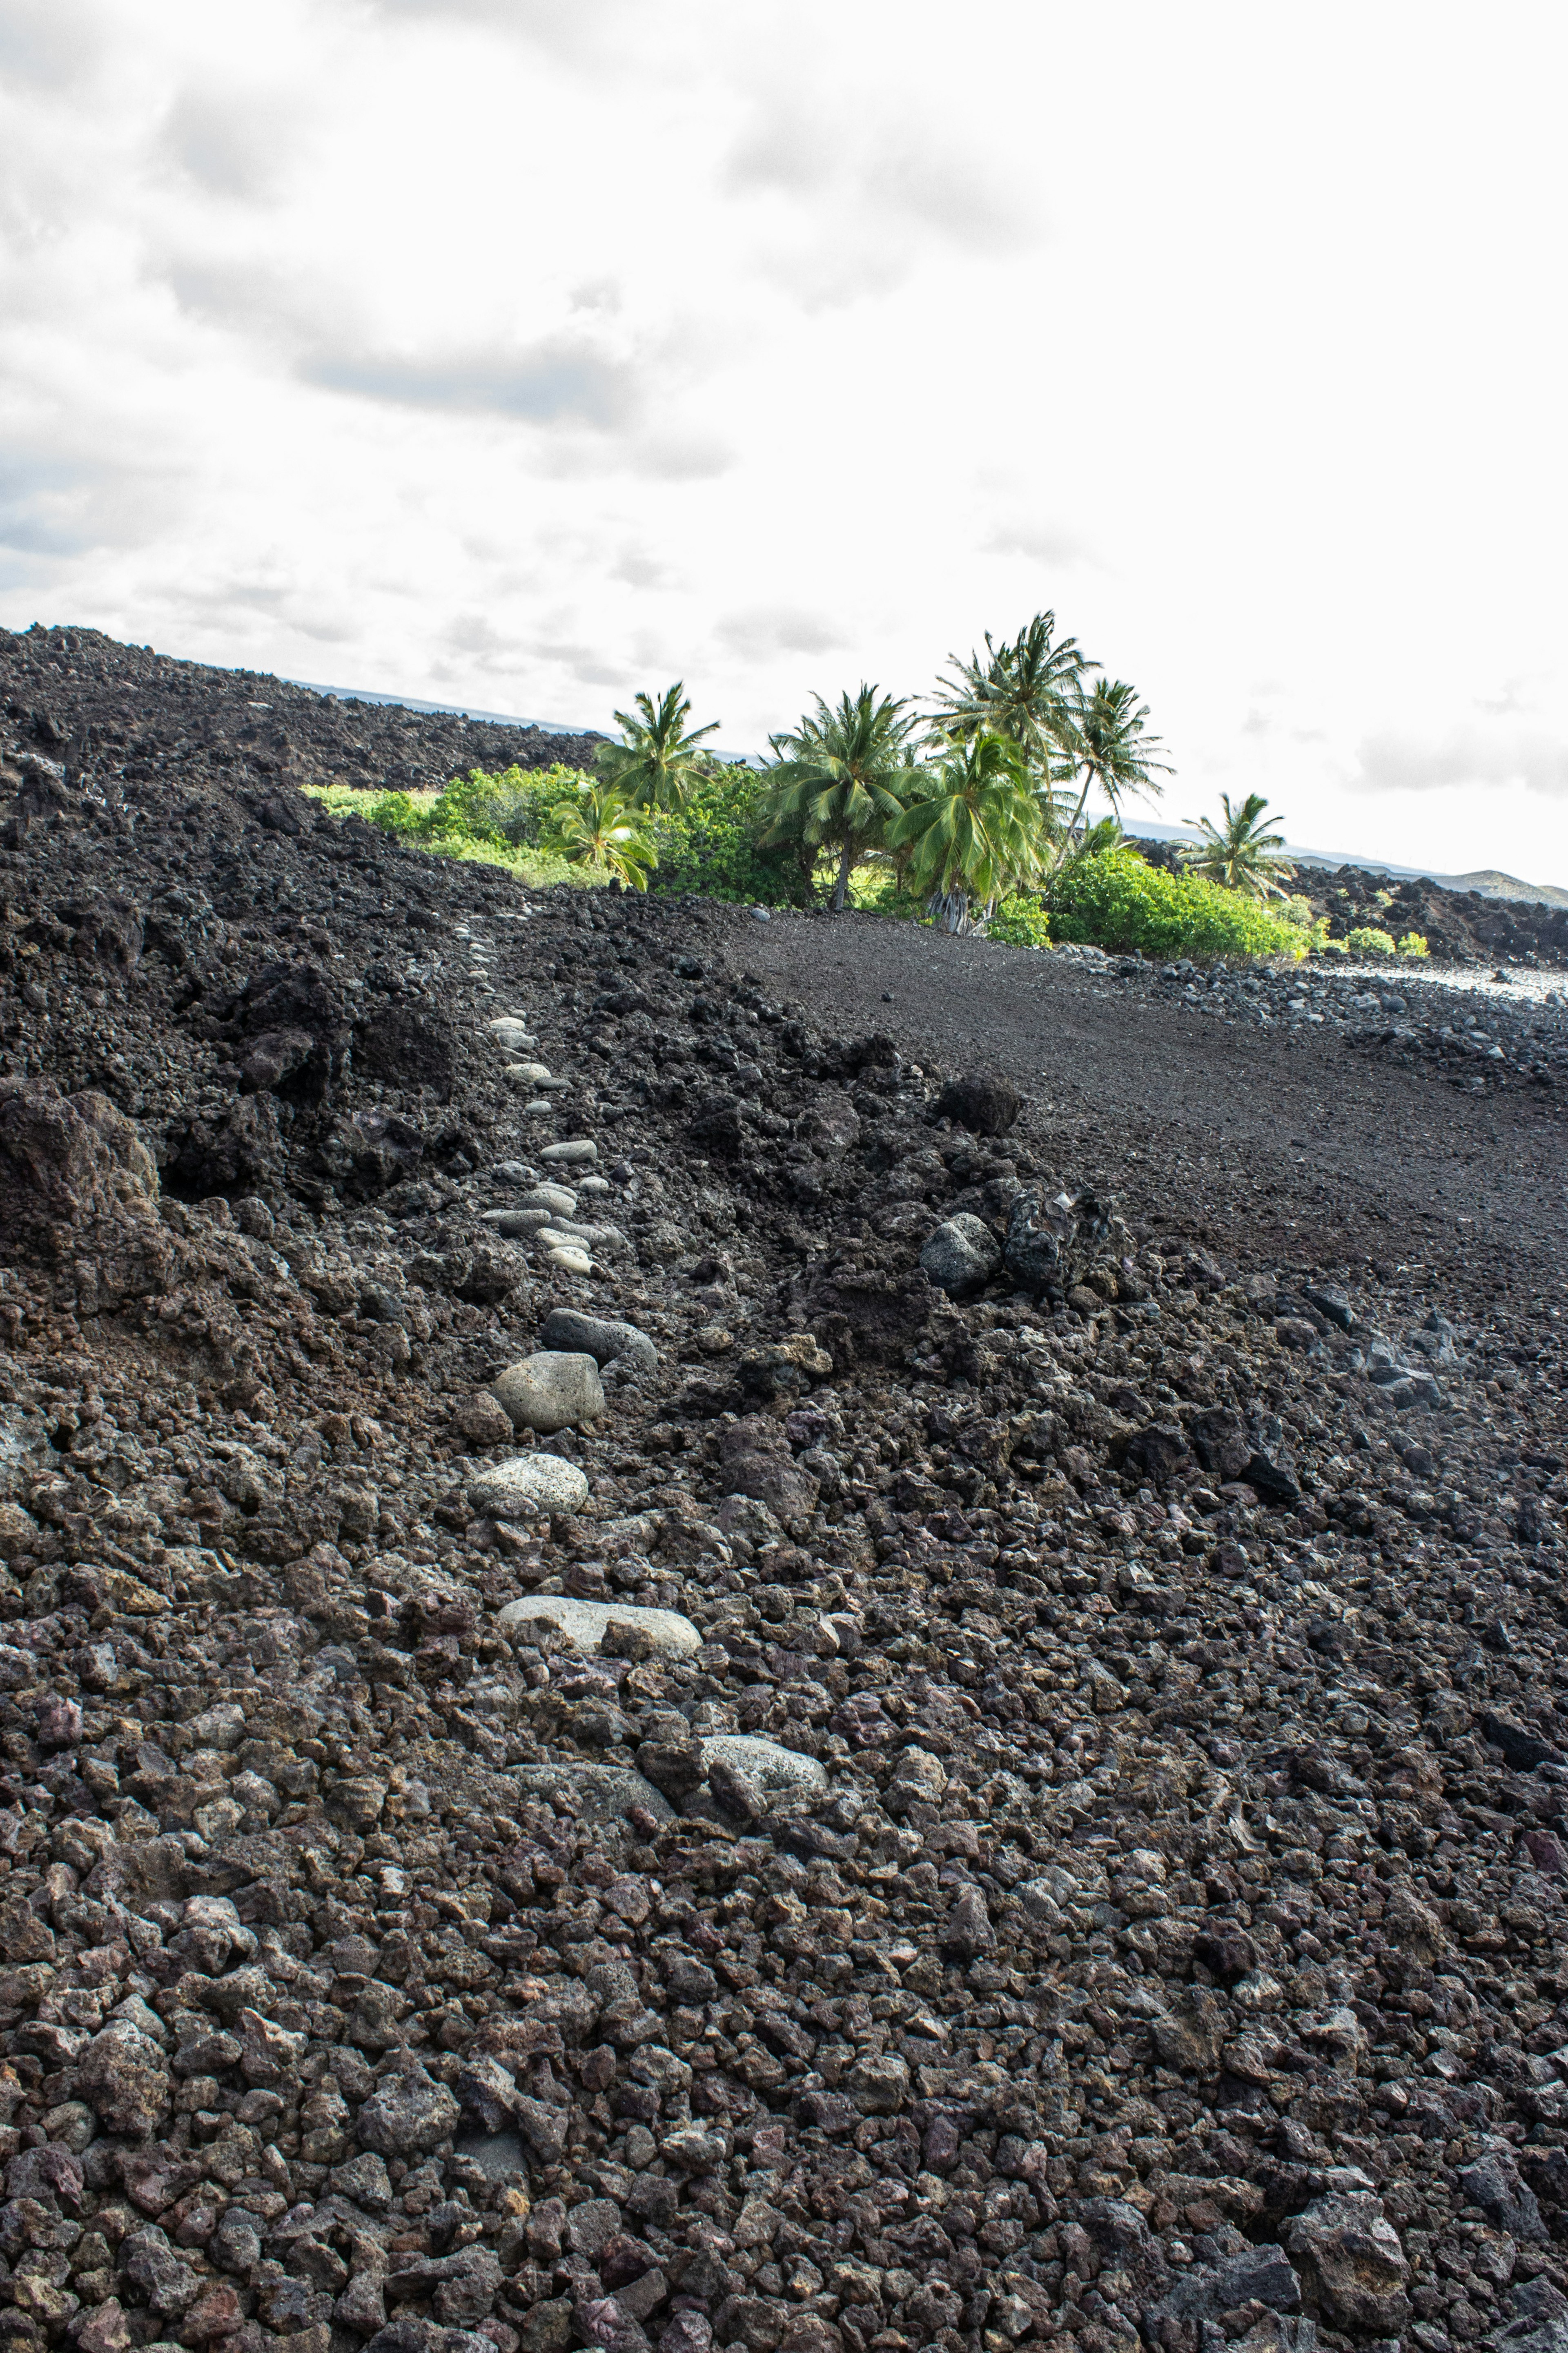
{"type": "Point", "coordinates": [705, 1646]}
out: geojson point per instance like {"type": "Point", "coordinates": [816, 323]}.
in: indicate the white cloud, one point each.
{"type": "Point", "coordinates": [766, 629]}
{"type": "Point", "coordinates": [1479, 755]}
{"type": "Point", "coordinates": [236, 142]}
{"type": "Point", "coordinates": [527, 352]}
{"type": "Point", "coordinates": [562, 378]}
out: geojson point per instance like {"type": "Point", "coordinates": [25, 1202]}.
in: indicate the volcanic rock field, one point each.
{"type": "Point", "coordinates": [737, 1634]}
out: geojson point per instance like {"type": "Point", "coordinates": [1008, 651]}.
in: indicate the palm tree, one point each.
{"type": "Point", "coordinates": [1112, 751]}
{"type": "Point", "coordinates": [975, 835]}
{"type": "Point", "coordinates": [841, 778]}
{"type": "Point", "coordinates": [1028, 691]}
{"type": "Point", "coordinates": [1243, 853]}
{"type": "Point", "coordinates": [661, 762]}
{"type": "Point", "coordinates": [597, 827]}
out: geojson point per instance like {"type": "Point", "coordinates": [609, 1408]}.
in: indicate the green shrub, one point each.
{"type": "Point", "coordinates": [1366, 940]}
{"type": "Point", "coordinates": [398, 813]}
{"type": "Point", "coordinates": [875, 889]}
{"type": "Point", "coordinates": [1413, 943]}
{"type": "Point", "coordinates": [1119, 901]}
{"type": "Point", "coordinates": [709, 847]}
{"type": "Point", "coordinates": [1022, 923]}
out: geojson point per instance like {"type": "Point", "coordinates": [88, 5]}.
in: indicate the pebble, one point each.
{"type": "Point", "coordinates": [583, 1622]}
{"type": "Point", "coordinates": [551, 1390]}
{"type": "Point", "coordinates": [573, 1152]}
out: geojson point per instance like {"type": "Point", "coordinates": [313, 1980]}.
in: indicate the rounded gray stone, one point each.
{"type": "Point", "coordinates": [583, 1622]}
{"type": "Point", "coordinates": [528, 1487]}
{"type": "Point", "coordinates": [559, 1200]}
{"type": "Point", "coordinates": [575, 1149]}
{"type": "Point", "coordinates": [551, 1391]}
{"type": "Point", "coordinates": [598, 1337]}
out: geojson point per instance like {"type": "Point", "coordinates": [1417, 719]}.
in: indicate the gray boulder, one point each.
{"type": "Point", "coordinates": [528, 1487]}
{"type": "Point", "coordinates": [1540, 2320]}
{"type": "Point", "coordinates": [962, 1255]}
{"type": "Point", "coordinates": [559, 1200]}
{"type": "Point", "coordinates": [551, 1391]}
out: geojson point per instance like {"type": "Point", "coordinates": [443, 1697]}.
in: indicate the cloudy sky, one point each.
{"type": "Point", "coordinates": [521, 353]}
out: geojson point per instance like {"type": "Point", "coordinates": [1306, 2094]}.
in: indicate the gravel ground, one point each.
{"type": "Point", "coordinates": [1286, 1147]}
{"type": "Point", "coordinates": [783, 1637]}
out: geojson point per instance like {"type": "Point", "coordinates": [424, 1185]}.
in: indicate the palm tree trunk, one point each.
{"type": "Point", "coordinates": [841, 887]}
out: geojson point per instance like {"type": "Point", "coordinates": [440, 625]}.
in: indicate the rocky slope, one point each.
{"type": "Point", "coordinates": [813, 1738]}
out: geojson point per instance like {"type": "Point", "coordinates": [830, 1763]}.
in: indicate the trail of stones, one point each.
{"type": "Point", "coordinates": [943, 1812]}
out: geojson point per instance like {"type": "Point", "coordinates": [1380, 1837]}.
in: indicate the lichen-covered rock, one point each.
{"type": "Point", "coordinates": [528, 1487]}
{"type": "Point", "coordinates": [550, 1392]}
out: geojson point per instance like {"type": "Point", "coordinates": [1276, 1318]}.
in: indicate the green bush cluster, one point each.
{"type": "Point", "coordinates": [710, 847]}
{"type": "Point", "coordinates": [1370, 940]}
{"type": "Point", "coordinates": [511, 807]}
{"type": "Point", "coordinates": [1021, 922]}
{"type": "Point", "coordinates": [1120, 903]}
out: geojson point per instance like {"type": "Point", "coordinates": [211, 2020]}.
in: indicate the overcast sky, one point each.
{"type": "Point", "coordinates": [524, 352]}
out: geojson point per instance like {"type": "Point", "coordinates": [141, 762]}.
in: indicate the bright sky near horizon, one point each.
{"type": "Point", "coordinates": [523, 353]}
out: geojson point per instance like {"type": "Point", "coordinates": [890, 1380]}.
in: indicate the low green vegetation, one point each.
{"type": "Point", "coordinates": [1117, 900]}
{"type": "Point", "coordinates": [970, 813]}
{"type": "Point", "coordinates": [1370, 940]}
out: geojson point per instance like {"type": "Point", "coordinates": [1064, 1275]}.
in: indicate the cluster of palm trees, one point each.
{"type": "Point", "coordinates": [980, 796]}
